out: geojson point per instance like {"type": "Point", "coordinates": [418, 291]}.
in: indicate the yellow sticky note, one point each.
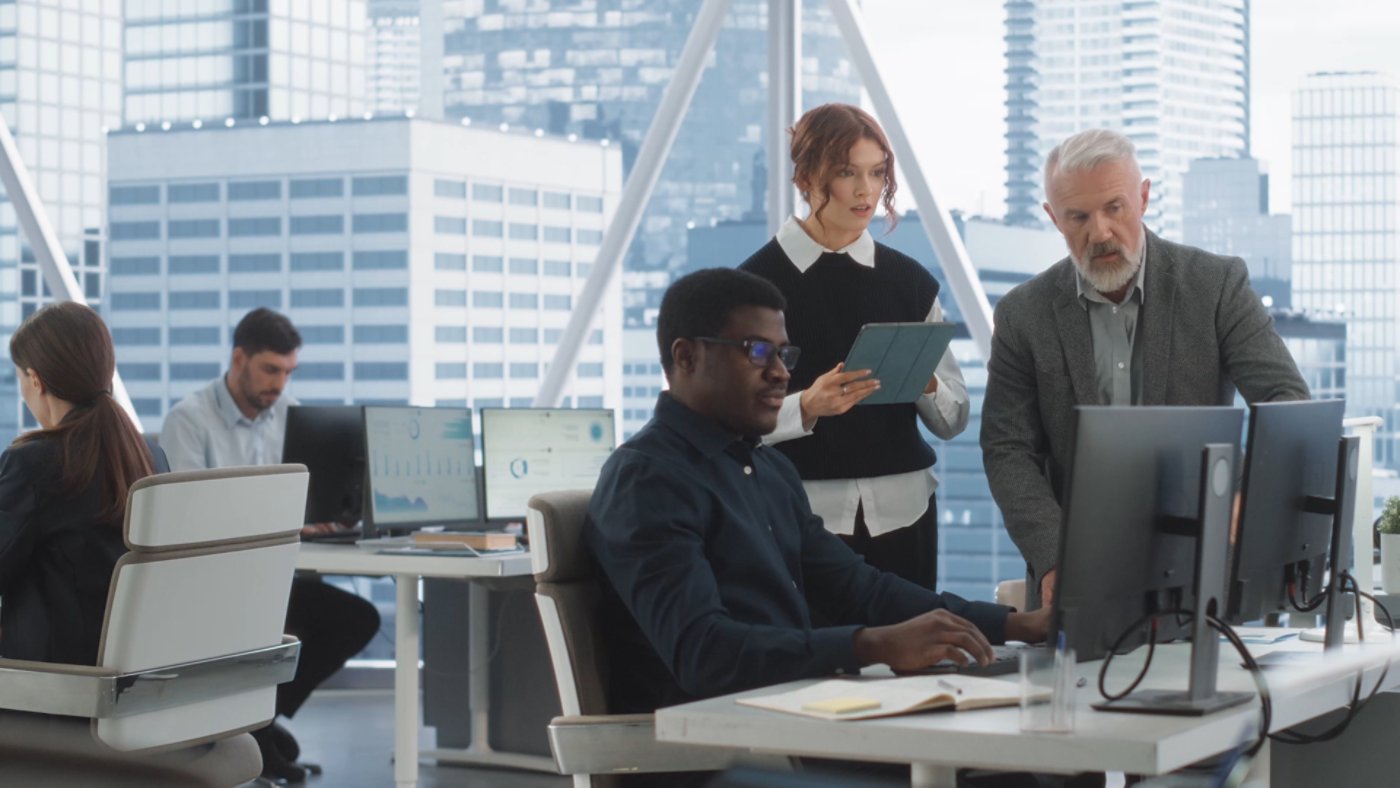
{"type": "Point", "coordinates": [846, 705]}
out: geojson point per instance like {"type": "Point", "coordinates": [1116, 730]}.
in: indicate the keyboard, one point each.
{"type": "Point", "coordinates": [335, 537]}
{"type": "Point", "coordinates": [1005, 660]}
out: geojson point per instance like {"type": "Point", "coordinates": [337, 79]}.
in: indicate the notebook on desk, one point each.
{"type": "Point", "coordinates": [847, 699]}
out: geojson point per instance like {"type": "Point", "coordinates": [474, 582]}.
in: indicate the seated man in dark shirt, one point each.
{"type": "Point", "coordinates": [714, 561]}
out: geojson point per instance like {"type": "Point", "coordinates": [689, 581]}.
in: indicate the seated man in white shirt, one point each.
{"type": "Point", "coordinates": [241, 419]}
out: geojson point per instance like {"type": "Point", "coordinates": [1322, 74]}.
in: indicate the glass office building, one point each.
{"type": "Point", "coordinates": [1345, 233]}
{"type": "Point", "coordinates": [1226, 211]}
{"type": "Point", "coordinates": [395, 47]}
{"type": "Point", "coordinates": [60, 89]}
{"type": "Point", "coordinates": [217, 59]}
{"type": "Point", "coordinates": [417, 270]}
{"type": "Point", "coordinates": [1171, 74]}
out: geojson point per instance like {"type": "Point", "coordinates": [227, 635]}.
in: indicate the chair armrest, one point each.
{"type": "Point", "coordinates": [625, 743]}
{"type": "Point", "coordinates": [102, 693]}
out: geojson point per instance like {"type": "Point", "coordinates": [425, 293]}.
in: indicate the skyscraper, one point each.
{"type": "Point", "coordinates": [1345, 249]}
{"type": "Point", "coordinates": [597, 68]}
{"type": "Point", "coordinates": [395, 51]}
{"type": "Point", "coordinates": [1225, 206]}
{"type": "Point", "coordinates": [1171, 74]}
{"type": "Point", "coordinates": [244, 59]}
{"type": "Point", "coordinates": [60, 88]}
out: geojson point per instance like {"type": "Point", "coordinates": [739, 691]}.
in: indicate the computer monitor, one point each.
{"type": "Point", "coordinates": [532, 450]}
{"type": "Point", "coordinates": [330, 441]}
{"type": "Point", "coordinates": [1285, 527]}
{"type": "Point", "coordinates": [422, 468]}
{"type": "Point", "coordinates": [1145, 529]}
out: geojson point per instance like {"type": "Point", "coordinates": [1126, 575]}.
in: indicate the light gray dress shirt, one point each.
{"type": "Point", "coordinates": [1113, 331]}
{"type": "Point", "coordinates": [207, 430]}
{"type": "Point", "coordinates": [886, 502]}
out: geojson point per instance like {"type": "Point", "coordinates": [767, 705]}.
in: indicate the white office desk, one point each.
{"type": "Point", "coordinates": [937, 744]}
{"type": "Point", "coordinates": [407, 570]}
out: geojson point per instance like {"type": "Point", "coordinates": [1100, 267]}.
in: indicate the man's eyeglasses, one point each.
{"type": "Point", "coordinates": [761, 353]}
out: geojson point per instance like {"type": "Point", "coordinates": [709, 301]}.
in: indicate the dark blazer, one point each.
{"type": "Point", "coordinates": [1203, 333]}
{"type": "Point", "coordinates": [56, 560]}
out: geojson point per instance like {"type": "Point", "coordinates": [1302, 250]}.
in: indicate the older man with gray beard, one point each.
{"type": "Point", "coordinates": [1126, 319]}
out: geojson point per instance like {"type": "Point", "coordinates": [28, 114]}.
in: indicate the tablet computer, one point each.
{"type": "Point", "coordinates": [902, 356]}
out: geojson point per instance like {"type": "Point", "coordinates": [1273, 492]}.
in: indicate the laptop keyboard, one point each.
{"type": "Point", "coordinates": [1005, 660]}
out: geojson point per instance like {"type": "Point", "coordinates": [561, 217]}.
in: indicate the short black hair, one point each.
{"type": "Point", "coordinates": [699, 304]}
{"type": "Point", "coordinates": [263, 329]}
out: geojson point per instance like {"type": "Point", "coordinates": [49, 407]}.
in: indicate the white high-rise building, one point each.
{"type": "Point", "coordinates": [395, 50]}
{"type": "Point", "coordinates": [1171, 74]}
{"type": "Point", "coordinates": [423, 262]}
{"type": "Point", "coordinates": [60, 89]}
{"type": "Point", "coordinates": [244, 59]}
{"type": "Point", "coordinates": [1345, 250]}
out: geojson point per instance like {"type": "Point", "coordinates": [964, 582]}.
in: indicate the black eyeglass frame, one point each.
{"type": "Point", "coordinates": [761, 352]}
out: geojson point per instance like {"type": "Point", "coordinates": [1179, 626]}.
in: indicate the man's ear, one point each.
{"type": "Point", "coordinates": [1050, 212]}
{"type": "Point", "coordinates": [683, 355]}
{"type": "Point", "coordinates": [238, 359]}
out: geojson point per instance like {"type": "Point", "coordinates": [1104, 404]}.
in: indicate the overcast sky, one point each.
{"type": "Point", "coordinates": [942, 60]}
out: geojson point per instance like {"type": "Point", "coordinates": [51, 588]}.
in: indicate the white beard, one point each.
{"type": "Point", "coordinates": [1108, 278]}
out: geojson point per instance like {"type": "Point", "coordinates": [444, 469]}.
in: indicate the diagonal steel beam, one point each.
{"type": "Point", "coordinates": [29, 211]}
{"type": "Point", "coordinates": [947, 244]}
{"type": "Point", "coordinates": [656, 146]}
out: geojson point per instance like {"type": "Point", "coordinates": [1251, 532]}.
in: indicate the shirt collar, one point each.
{"type": "Point", "coordinates": [228, 409]}
{"type": "Point", "coordinates": [705, 434]}
{"type": "Point", "coordinates": [1087, 293]}
{"type": "Point", "coordinates": [803, 251]}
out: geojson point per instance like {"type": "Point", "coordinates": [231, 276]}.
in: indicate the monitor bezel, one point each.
{"type": "Point", "coordinates": [486, 514]}
{"type": "Point", "coordinates": [372, 525]}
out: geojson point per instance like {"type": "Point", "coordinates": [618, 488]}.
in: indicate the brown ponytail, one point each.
{"type": "Point", "coordinates": [70, 349]}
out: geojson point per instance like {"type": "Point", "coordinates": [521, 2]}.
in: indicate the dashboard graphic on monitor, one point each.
{"type": "Point", "coordinates": [421, 465]}
{"type": "Point", "coordinates": [525, 451]}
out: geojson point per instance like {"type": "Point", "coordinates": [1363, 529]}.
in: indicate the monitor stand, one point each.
{"type": "Point", "coordinates": [1212, 545]}
{"type": "Point", "coordinates": [1343, 511]}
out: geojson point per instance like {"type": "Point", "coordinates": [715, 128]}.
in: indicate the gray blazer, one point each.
{"type": "Point", "coordinates": [1203, 331]}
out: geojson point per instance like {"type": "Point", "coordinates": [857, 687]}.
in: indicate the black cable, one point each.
{"type": "Point", "coordinates": [1151, 620]}
{"type": "Point", "coordinates": [1266, 707]}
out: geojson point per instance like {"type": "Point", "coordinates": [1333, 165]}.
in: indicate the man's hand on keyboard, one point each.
{"type": "Point", "coordinates": [922, 641]}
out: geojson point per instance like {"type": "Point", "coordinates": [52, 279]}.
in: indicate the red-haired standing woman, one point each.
{"type": "Point", "coordinates": [63, 488]}
{"type": "Point", "coordinates": [868, 471]}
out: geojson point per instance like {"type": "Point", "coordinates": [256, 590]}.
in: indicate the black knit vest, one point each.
{"type": "Point", "coordinates": [826, 306]}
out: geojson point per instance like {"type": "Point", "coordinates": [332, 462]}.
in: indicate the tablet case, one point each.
{"type": "Point", "coordinates": [902, 356]}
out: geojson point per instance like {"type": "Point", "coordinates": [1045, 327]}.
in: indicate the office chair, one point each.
{"type": "Point", "coordinates": [192, 648]}
{"type": "Point", "coordinates": [1012, 593]}
{"type": "Point", "coordinates": [587, 741]}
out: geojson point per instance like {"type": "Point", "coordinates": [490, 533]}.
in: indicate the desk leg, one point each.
{"type": "Point", "coordinates": [479, 697]}
{"type": "Point", "coordinates": [930, 775]}
{"type": "Point", "coordinates": [406, 714]}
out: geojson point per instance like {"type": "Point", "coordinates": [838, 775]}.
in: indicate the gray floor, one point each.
{"type": "Point", "coordinates": [351, 734]}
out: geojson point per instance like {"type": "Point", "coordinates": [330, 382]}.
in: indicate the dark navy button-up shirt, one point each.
{"type": "Point", "coordinates": [715, 565]}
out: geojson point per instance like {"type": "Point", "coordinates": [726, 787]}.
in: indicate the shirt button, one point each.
{"type": "Point", "coordinates": [794, 584]}
{"type": "Point", "coordinates": [1115, 310]}
{"type": "Point", "coordinates": [840, 671]}
{"type": "Point", "coordinates": [1120, 365]}
{"type": "Point", "coordinates": [748, 470]}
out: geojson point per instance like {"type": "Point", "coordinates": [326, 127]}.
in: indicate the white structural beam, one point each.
{"type": "Point", "coordinates": [784, 99]}
{"type": "Point", "coordinates": [947, 244]}
{"type": "Point", "coordinates": [34, 223]}
{"type": "Point", "coordinates": [656, 146]}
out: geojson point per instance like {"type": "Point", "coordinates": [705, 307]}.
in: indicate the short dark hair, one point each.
{"type": "Point", "coordinates": [263, 329]}
{"type": "Point", "coordinates": [699, 304]}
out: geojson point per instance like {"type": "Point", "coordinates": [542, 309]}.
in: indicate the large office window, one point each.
{"type": "Point", "coordinates": [193, 264]}
{"type": "Point", "coordinates": [379, 223]}
{"type": "Point", "coordinates": [391, 334]}
{"type": "Point", "coordinates": [192, 228]}
{"type": "Point", "coordinates": [590, 370]}
{"type": "Point", "coordinates": [376, 185]}
{"type": "Point", "coordinates": [524, 301]}
{"type": "Point", "coordinates": [449, 225]}
{"type": "Point", "coordinates": [524, 265]}
{"type": "Point", "coordinates": [146, 406]}
{"type": "Point", "coordinates": [487, 370]}
{"type": "Point", "coordinates": [487, 228]}
{"type": "Point", "coordinates": [487, 334]}
{"type": "Point", "coordinates": [558, 302]}
{"type": "Point", "coordinates": [589, 237]}
{"type": "Point", "coordinates": [380, 296]}
{"type": "Point", "coordinates": [486, 192]}
{"type": "Point", "coordinates": [381, 370]}
{"type": "Point", "coordinates": [254, 263]}
{"type": "Point", "coordinates": [450, 189]}
{"type": "Point", "coordinates": [194, 370]}
{"type": "Point", "coordinates": [524, 197]}
{"type": "Point", "coordinates": [193, 192]}
{"type": "Point", "coordinates": [133, 195]}
{"type": "Point", "coordinates": [309, 188]}
{"type": "Point", "coordinates": [558, 235]}
{"type": "Point", "coordinates": [134, 231]}
{"type": "Point", "coordinates": [524, 370]}
{"type": "Point", "coordinates": [255, 190]}
{"type": "Point", "coordinates": [194, 299]}
{"type": "Point", "coordinates": [557, 268]}
{"type": "Point", "coordinates": [380, 260]}
{"type": "Point", "coordinates": [133, 302]}
{"type": "Point", "coordinates": [321, 370]}
{"type": "Point", "coordinates": [524, 232]}
{"type": "Point", "coordinates": [135, 336]}
{"type": "Point", "coordinates": [446, 261]}
{"type": "Point", "coordinates": [133, 266]}
{"type": "Point", "coordinates": [194, 335]}
{"type": "Point", "coordinates": [250, 299]}
{"type": "Point", "coordinates": [487, 299]}
{"type": "Point", "coordinates": [322, 335]}
{"type": "Point", "coordinates": [447, 297]}
{"type": "Point", "coordinates": [557, 200]}
{"type": "Point", "coordinates": [139, 371]}
{"type": "Point", "coordinates": [524, 336]}
{"type": "Point", "coordinates": [487, 263]}
{"type": "Point", "coordinates": [450, 370]}
{"type": "Point", "coordinates": [313, 297]}
{"type": "Point", "coordinates": [255, 226]}
{"type": "Point", "coordinates": [318, 261]}
{"type": "Point", "coordinates": [590, 204]}
{"type": "Point", "coordinates": [320, 224]}
{"type": "Point", "coordinates": [450, 334]}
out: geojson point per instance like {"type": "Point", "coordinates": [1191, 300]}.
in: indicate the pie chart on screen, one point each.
{"type": "Point", "coordinates": [519, 468]}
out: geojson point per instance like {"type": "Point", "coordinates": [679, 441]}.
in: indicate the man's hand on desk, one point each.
{"type": "Point", "coordinates": [922, 641]}
{"type": "Point", "coordinates": [1033, 627]}
{"type": "Point", "coordinates": [317, 529]}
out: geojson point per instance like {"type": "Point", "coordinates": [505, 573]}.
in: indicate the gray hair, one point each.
{"type": "Point", "coordinates": [1087, 150]}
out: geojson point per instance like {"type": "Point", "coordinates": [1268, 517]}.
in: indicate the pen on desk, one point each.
{"type": "Point", "coordinates": [946, 684]}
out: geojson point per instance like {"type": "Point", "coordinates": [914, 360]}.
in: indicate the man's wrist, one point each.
{"type": "Point", "coordinates": [865, 645]}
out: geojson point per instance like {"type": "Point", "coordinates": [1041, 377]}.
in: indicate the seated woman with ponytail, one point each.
{"type": "Point", "coordinates": [63, 488]}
